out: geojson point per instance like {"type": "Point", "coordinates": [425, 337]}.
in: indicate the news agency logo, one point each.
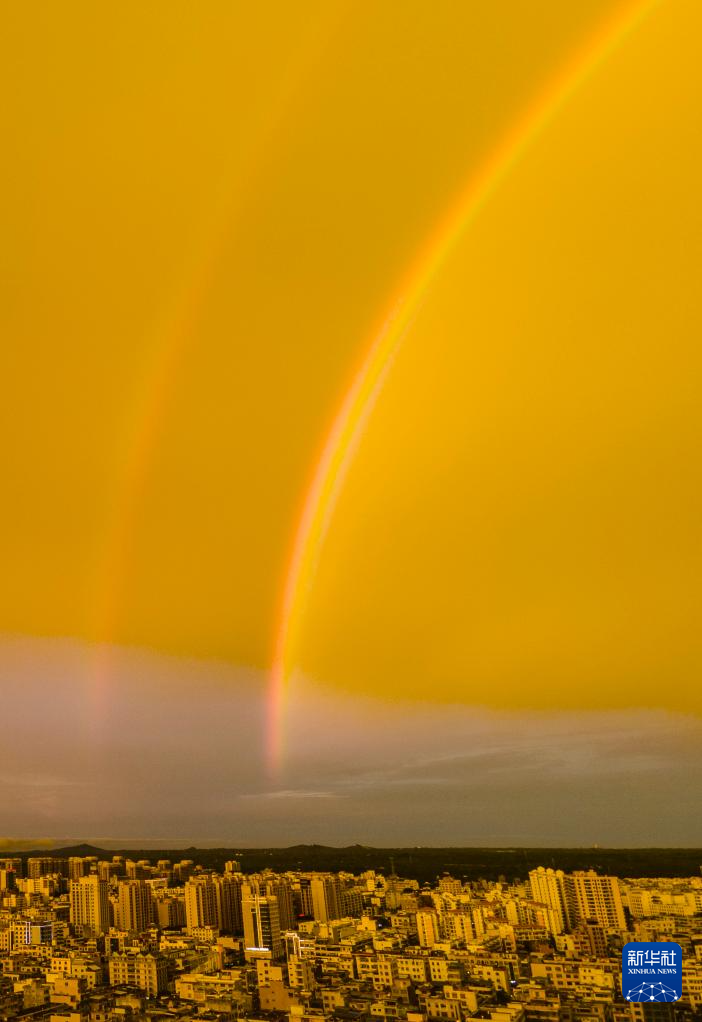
{"type": "Point", "coordinates": [652, 971]}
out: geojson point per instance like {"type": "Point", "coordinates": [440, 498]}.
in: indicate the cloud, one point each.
{"type": "Point", "coordinates": [179, 750]}
{"type": "Point", "coordinates": [292, 794]}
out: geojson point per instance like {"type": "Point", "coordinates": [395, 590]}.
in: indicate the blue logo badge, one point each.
{"type": "Point", "coordinates": [652, 971]}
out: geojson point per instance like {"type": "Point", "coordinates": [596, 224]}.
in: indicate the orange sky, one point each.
{"type": "Point", "coordinates": [208, 213]}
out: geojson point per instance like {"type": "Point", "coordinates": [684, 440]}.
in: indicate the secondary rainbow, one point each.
{"type": "Point", "coordinates": [167, 343]}
{"type": "Point", "coordinates": [347, 427]}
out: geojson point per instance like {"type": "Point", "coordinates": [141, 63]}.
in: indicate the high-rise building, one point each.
{"type": "Point", "coordinates": [77, 867]}
{"type": "Point", "coordinates": [261, 924]}
{"type": "Point", "coordinates": [200, 902]}
{"type": "Point", "coordinates": [302, 898]}
{"type": "Point", "coordinates": [548, 888]}
{"type": "Point", "coordinates": [45, 865]}
{"type": "Point", "coordinates": [135, 905]}
{"type": "Point", "coordinates": [183, 870]}
{"type": "Point", "coordinates": [228, 890]}
{"type": "Point", "coordinates": [89, 906]}
{"type": "Point", "coordinates": [164, 868]}
{"type": "Point", "coordinates": [578, 897]}
{"type": "Point", "coordinates": [352, 902]}
{"type": "Point", "coordinates": [138, 870]}
{"type": "Point", "coordinates": [106, 870]}
{"type": "Point", "coordinates": [458, 925]}
{"type": "Point", "coordinates": [170, 911]}
{"type": "Point", "coordinates": [325, 891]}
{"type": "Point", "coordinates": [281, 890]}
{"type": "Point", "coordinates": [8, 879]}
{"type": "Point", "coordinates": [427, 927]}
{"type": "Point", "coordinates": [593, 897]}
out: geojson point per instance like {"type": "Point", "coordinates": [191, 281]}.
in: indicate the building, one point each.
{"type": "Point", "coordinates": [261, 925]}
{"type": "Point", "coordinates": [427, 927]}
{"type": "Point", "coordinates": [89, 906]}
{"type": "Point", "coordinates": [281, 890]}
{"type": "Point", "coordinates": [81, 866]}
{"type": "Point", "coordinates": [44, 865]}
{"type": "Point", "coordinates": [301, 974]}
{"type": "Point", "coordinates": [170, 910]}
{"type": "Point", "coordinates": [12, 864]}
{"type": "Point", "coordinates": [8, 879]}
{"type": "Point", "coordinates": [107, 870]}
{"type": "Point", "coordinates": [593, 897]}
{"type": "Point", "coordinates": [590, 940]}
{"type": "Point", "coordinates": [548, 888]}
{"type": "Point", "coordinates": [135, 905]}
{"type": "Point", "coordinates": [133, 968]}
{"type": "Point", "coordinates": [326, 897]}
{"type": "Point", "coordinates": [579, 897]}
{"type": "Point", "coordinates": [200, 902]}
{"type": "Point", "coordinates": [228, 894]}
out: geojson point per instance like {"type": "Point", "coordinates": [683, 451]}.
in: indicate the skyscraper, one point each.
{"type": "Point", "coordinates": [200, 902]}
{"type": "Point", "coordinates": [135, 905]}
{"type": "Point", "coordinates": [45, 865]}
{"type": "Point", "coordinates": [228, 890]}
{"type": "Point", "coordinates": [89, 906]}
{"type": "Point", "coordinates": [548, 888]}
{"type": "Point", "coordinates": [593, 897]}
{"type": "Point", "coordinates": [325, 891]}
{"type": "Point", "coordinates": [77, 867]}
{"type": "Point", "coordinates": [578, 897]}
{"type": "Point", "coordinates": [281, 890]}
{"type": "Point", "coordinates": [261, 924]}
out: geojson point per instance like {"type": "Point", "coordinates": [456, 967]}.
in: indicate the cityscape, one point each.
{"type": "Point", "coordinates": [87, 938]}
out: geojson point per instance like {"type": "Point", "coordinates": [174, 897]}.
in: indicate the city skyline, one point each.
{"type": "Point", "coordinates": [90, 936]}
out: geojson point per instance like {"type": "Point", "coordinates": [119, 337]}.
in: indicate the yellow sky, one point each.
{"type": "Point", "coordinates": [206, 211]}
{"type": "Point", "coordinates": [530, 483]}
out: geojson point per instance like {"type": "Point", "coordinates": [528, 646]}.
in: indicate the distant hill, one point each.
{"type": "Point", "coordinates": [422, 864]}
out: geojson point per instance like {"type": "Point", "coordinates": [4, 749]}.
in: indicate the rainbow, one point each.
{"type": "Point", "coordinates": [347, 427]}
{"type": "Point", "coordinates": [167, 343]}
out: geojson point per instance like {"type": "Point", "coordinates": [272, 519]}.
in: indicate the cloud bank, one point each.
{"type": "Point", "coordinates": [173, 750]}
